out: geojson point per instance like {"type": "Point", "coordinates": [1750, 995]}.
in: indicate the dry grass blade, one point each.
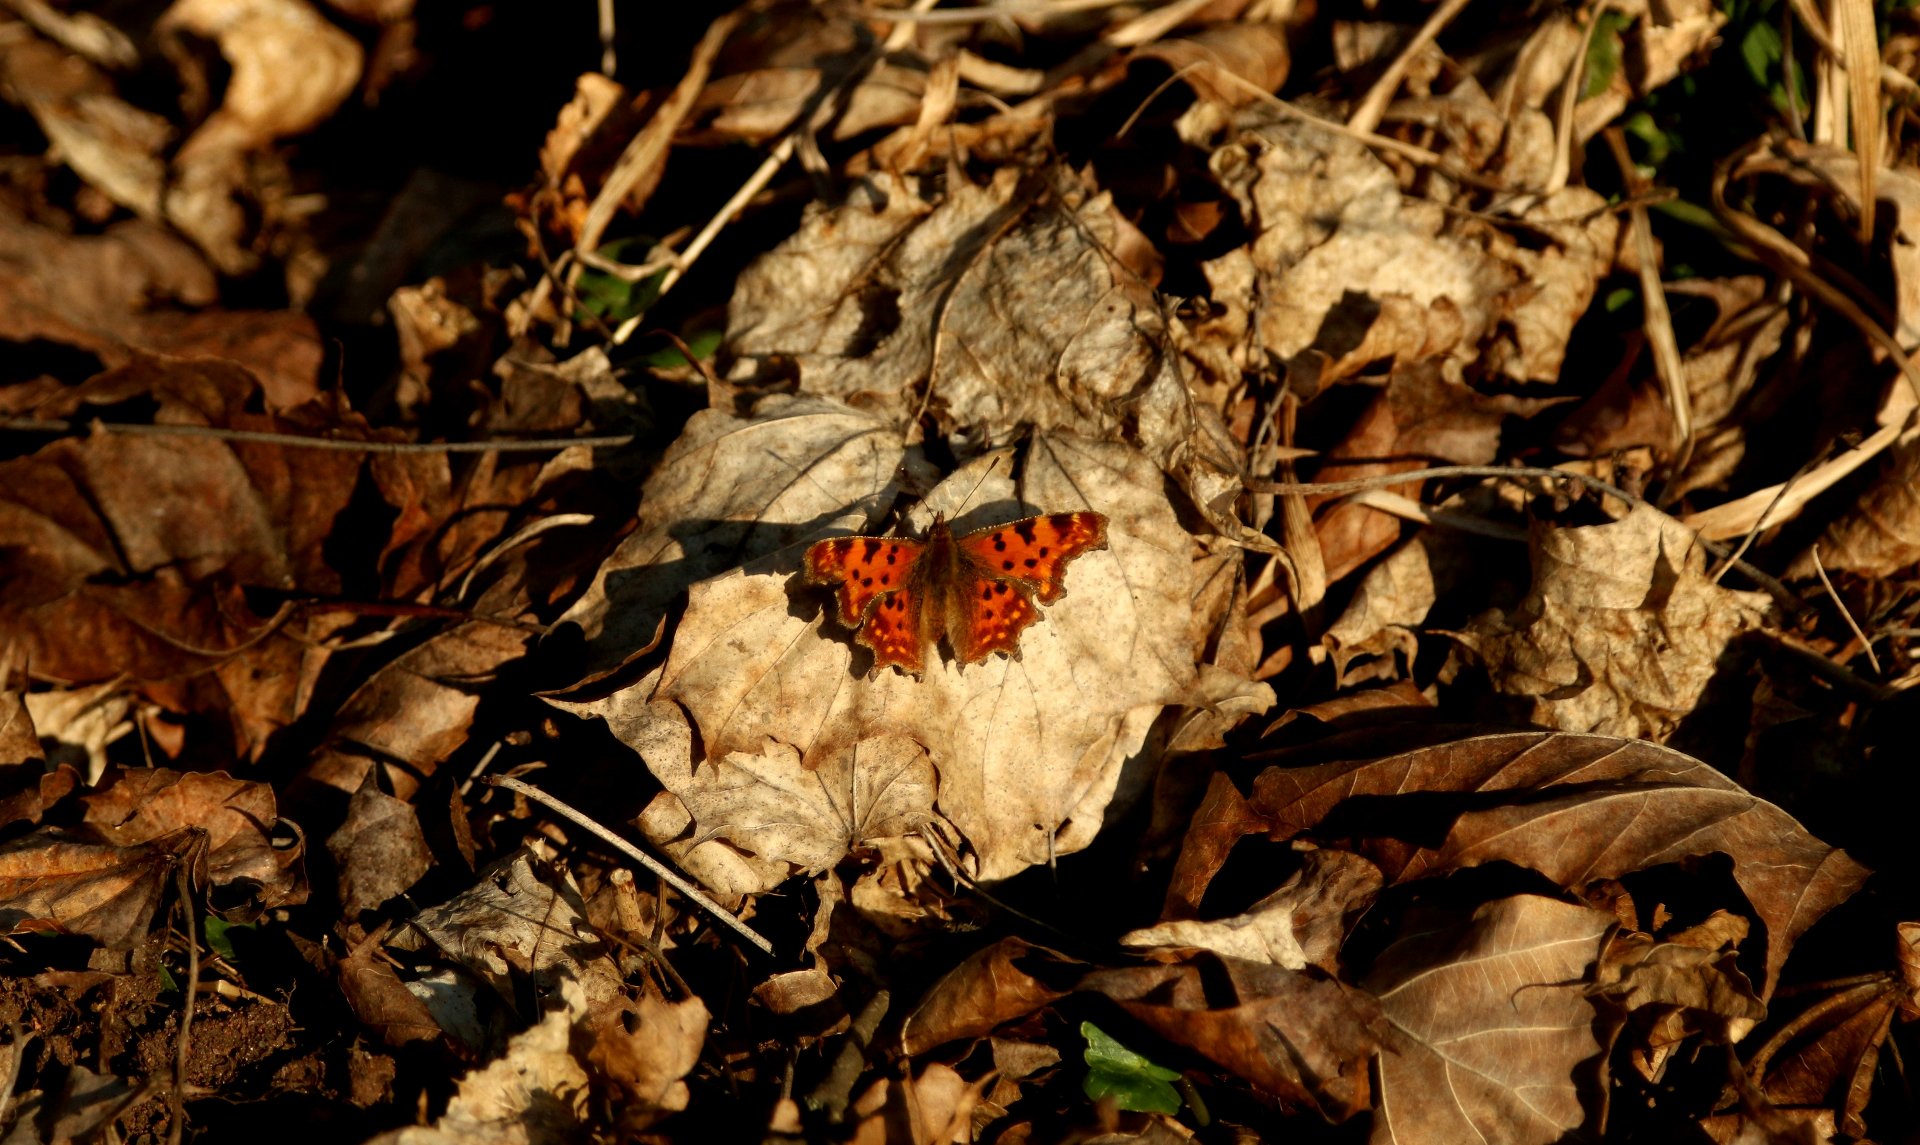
{"type": "Point", "coordinates": [1373, 106]}
{"type": "Point", "coordinates": [1861, 47]}
{"type": "Point", "coordinates": [1658, 317]}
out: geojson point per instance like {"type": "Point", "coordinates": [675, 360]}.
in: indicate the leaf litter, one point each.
{"type": "Point", "coordinates": [1330, 800]}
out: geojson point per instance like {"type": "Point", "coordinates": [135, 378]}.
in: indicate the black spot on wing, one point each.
{"type": "Point", "coordinates": [1025, 529]}
{"type": "Point", "coordinates": [873, 547]}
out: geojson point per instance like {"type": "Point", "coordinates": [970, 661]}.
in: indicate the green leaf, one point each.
{"type": "Point", "coordinates": [611, 298]}
{"type": "Point", "coordinates": [1135, 1083]}
{"type": "Point", "coordinates": [1603, 52]}
{"type": "Point", "coordinates": [703, 344]}
{"type": "Point", "coordinates": [1760, 49]}
{"type": "Point", "coordinates": [217, 932]}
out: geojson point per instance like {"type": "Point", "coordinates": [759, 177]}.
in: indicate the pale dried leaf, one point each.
{"type": "Point", "coordinates": [1492, 1018]}
{"type": "Point", "coordinates": [1005, 299]}
{"type": "Point", "coordinates": [534, 1094]}
{"type": "Point", "coordinates": [1621, 631]}
{"type": "Point", "coordinates": [1027, 750]}
{"type": "Point", "coordinates": [732, 490]}
{"type": "Point", "coordinates": [1302, 924]}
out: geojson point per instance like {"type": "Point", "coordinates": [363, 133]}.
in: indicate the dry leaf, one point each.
{"type": "Point", "coordinates": [521, 919]}
{"type": "Point", "coordinates": [1028, 751]}
{"type": "Point", "coordinates": [379, 850]}
{"type": "Point", "coordinates": [1576, 808]}
{"type": "Point", "coordinates": [645, 1048]}
{"type": "Point", "coordinates": [1490, 1019]}
{"type": "Point", "coordinates": [290, 70]}
{"type": "Point", "coordinates": [535, 1094]}
{"type": "Point", "coordinates": [1302, 924]}
{"type": "Point", "coordinates": [732, 490]}
{"type": "Point", "coordinates": [1621, 632]}
{"type": "Point", "coordinates": [1305, 1040]}
{"type": "Point", "coordinates": [1005, 299]}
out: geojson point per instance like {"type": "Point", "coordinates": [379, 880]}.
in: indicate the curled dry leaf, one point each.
{"type": "Point", "coordinates": [104, 877]}
{"type": "Point", "coordinates": [1027, 750]}
{"type": "Point", "coordinates": [1302, 924]}
{"type": "Point", "coordinates": [1490, 1017]}
{"type": "Point", "coordinates": [1384, 277]}
{"type": "Point", "coordinates": [1621, 631]}
{"type": "Point", "coordinates": [1675, 988]}
{"type": "Point", "coordinates": [1575, 808]}
{"type": "Point", "coordinates": [1304, 1039]}
{"type": "Point", "coordinates": [997, 984]}
{"type": "Point", "coordinates": [291, 69]}
{"type": "Point", "coordinates": [111, 144]}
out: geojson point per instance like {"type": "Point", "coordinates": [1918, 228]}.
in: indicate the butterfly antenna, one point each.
{"type": "Point", "coordinates": [988, 472]}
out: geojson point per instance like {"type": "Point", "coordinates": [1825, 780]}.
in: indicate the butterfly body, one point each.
{"type": "Point", "coordinates": [976, 590]}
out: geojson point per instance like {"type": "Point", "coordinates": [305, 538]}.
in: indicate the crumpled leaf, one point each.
{"type": "Point", "coordinates": [1004, 299]}
{"type": "Point", "coordinates": [113, 145]}
{"type": "Point", "coordinates": [290, 70]}
{"type": "Point", "coordinates": [536, 1093]}
{"type": "Point", "coordinates": [1378, 277]}
{"type": "Point", "coordinates": [1576, 808]}
{"type": "Point", "coordinates": [1621, 631]}
{"type": "Point", "coordinates": [1302, 924]}
{"type": "Point", "coordinates": [1028, 751]}
{"type": "Point", "coordinates": [1676, 987]}
{"type": "Point", "coordinates": [1490, 1018]}
{"type": "Point", "coordinates": [56, 880]}
{"type": "Point", "coordinates": [645, 1048]}
{"type": "Point", "coordinates": [520, 918]}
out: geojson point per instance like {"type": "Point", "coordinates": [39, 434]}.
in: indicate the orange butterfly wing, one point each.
{"type": "Point", "coordinates": [988, 616]}
{"type": "Point", "coordinates": [1035, 550]}
{"type": "Point", "coordinates": [876, 593]}
{"type": "Point", "coordinates": [1004, 568]}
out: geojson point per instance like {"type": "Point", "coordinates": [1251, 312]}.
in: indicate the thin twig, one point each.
{"type": "Point", "coordinates": [1844, 613]}
{"type": "Point", "coordinates": [1779, 591]}
{"type": "Point", "coordinates": [295, 441]}
{"type": "Point", "coordinates": [660, 869]}
{"type": "Point", "coordinates": [176, 1114]}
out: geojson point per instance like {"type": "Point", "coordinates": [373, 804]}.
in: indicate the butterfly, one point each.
{"type": "Point", "coordinates": [901, 595]}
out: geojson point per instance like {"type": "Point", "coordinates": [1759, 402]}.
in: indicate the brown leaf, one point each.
{"type": "Point", "coordinates": [381, 1001]}
{"type": "Point", "coordinates": [250, 862]}
{"type": "Point", "coordinates": [1826, 1056]}
{"type": "Point", "coordinates": [645, 1047]}
{"type": "Point", "coordinates": [1008, 980]}
{"type": "Point", "coordinates": [1490, 1019]}
{"type": "Point", "coordinates": [57, 880]}
{"type": "Point", "coordinates": [1621, 631]}
{"type": "Point", "coordinates": [1575, 808]}
{"type": "Point", "coordinates": [379, 850]}
{"type": "Point", "coordinates": [1677, 988]}
{"type": "Point", "coordinates": [1303, 1039]}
